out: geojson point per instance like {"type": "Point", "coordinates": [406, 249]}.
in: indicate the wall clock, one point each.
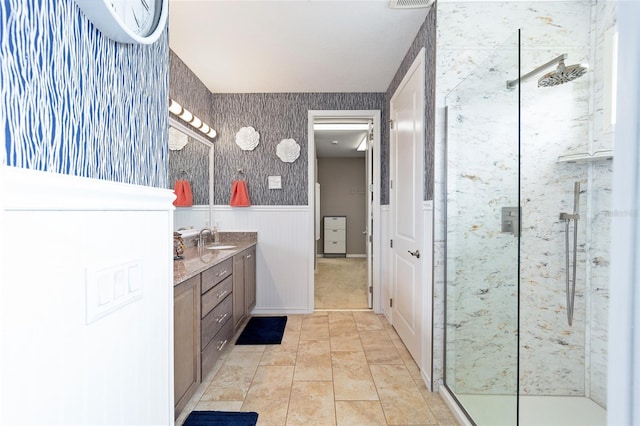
{"type": "Point", "coordinates": [127, 21]}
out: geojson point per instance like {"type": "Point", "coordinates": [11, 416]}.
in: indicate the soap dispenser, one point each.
{"type": "Point", "coordinates": [214, 234]}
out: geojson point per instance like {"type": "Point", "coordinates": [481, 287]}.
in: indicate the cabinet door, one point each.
{"type": "Point", "coordinates": [186, 341]}
{"type": "Point", "coordinates": [250, 279]}
{"type": "Point", "coordinates": [238, 289]}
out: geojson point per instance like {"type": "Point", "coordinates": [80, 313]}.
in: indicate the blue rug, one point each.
{"type": "Point", "coordinates": [220, 418]}
{"type": "Point", "coordinates": [263, 331]}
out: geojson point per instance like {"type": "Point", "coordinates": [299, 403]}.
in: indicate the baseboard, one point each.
{"type": "Point", "coordinates": [284, 311]}
{"type": "Point", "coordinates": [460, 415]}
{"type": "Point", "coordinates": [321, 255]}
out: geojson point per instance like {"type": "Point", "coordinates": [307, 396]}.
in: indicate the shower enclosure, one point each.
{"type": "Point", "coordinates": [526, 288]}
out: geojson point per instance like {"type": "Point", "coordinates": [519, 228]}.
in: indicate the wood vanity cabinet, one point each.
{"type": "Point", "coordinates": [244, 285]}
{"type": "Point", "coordinates": [238, 290]}
{"type": "Point", "coordinates": [207, 309]}
{"type": "Point", "coordinates": [186, 344]}
{"type": "Point", "coordinates": [216, 328]}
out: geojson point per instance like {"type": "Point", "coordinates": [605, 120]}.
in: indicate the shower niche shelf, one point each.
{"type": "Point", "coordinates": [586, 157]}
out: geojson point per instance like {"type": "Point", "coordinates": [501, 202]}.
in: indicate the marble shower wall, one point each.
{"type": "Point", "coordinates": [482, 271]}
{"type": "Point", "coordinates": [555, 358]}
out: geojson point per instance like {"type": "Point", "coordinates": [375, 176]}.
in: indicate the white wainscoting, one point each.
{"type": "Point", "coordinates": [426, 362]}
{"type": "Point", "coordinates": [64, 239]}
{"type": "Point", "coordinates": [282, 255]}
{"type": "Point", "coordinates": [386, 265]}
{"type": "Point", "coordinates": [194, 217]}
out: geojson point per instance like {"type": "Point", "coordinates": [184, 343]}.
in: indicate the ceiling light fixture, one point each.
{"type": "Point", "coordinates": [363, 145]}
{"type": "Point", "coordinates": [186, 115]}
{"type": "Point", "coordinates": [340, 126]}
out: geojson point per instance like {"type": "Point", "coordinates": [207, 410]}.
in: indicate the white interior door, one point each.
{"type": "Point", "coordinates": [407, 176]}
{"type": "Point", "coordinates": [369, 214]}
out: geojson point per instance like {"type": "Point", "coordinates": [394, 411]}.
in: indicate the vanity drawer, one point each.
{"type": "Point", "coordinates": [215, 274]}
{"type": "Point", "coordinates": [212, 351]}
{"type": "Point", "coordinates": [211, 298]}
{"type": "Point", "coordinates": [213, 322]}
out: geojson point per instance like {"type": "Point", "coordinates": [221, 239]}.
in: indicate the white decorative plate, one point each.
{"type": "Point", "coordinates": [288, 150]}
{"type": "Point", "coordinates": [247, 138]}
{"type": "Point", "coordinates": [177, 139]}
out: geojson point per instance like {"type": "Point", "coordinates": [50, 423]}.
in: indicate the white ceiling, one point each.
{"type": "Point", "coordinates": [338, 143]}
{"type": "Point", "coordinates": [237, 46]}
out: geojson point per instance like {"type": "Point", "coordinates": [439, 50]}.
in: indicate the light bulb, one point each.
{"type": "Point", "coordinates": [174, 107]}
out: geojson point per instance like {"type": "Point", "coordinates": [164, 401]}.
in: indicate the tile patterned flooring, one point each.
{"type": "Point", "coordinates": [332, 368]}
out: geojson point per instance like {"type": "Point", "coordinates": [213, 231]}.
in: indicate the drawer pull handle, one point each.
{"type": "Point", "coordinates": [221, 345]}
{"type": "Point", "coordinates": [221, 318]}
{"type": "Point", "coordinates": [221, 273]}
{"type": "Point", "coordinates": [248, 256]}
{"type": "Point", "coordinates": [222, 294]}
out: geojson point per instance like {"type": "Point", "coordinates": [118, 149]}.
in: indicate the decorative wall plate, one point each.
{"type": "Point", "coordinates": [177, 139]}
{"type": "Point", "coordinates": [247, 138]}
{"type": "Point", "coordinates": [288, 150]}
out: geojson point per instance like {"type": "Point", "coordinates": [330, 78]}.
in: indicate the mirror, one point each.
{"type": "Point", "coordinates": [193, 162]}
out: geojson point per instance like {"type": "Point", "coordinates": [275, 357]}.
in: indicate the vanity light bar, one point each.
{"type": "Point", "coordinates": [177, 109]}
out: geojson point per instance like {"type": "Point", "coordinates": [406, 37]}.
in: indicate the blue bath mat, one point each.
{"type": "Point", "coordinates": [263, 331]}
{"type": "Point", "coordinates": [221, 418]}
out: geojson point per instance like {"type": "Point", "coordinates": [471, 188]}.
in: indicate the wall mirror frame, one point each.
{"type": "Point", "coordinates": [199, 215]}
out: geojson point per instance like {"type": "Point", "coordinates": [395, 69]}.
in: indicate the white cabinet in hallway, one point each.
{"type": "Point", "coordinates": [335, 236]}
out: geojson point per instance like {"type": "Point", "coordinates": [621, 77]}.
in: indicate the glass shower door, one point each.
{"type": "Point", "coordinates": [482, 239]}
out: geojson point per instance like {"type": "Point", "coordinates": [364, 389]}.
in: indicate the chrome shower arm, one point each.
{"type": "Point", "coordinates": [512, 83]}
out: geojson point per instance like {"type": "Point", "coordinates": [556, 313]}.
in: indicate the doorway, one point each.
{"type": "Point", "coordinates": [343, 153]}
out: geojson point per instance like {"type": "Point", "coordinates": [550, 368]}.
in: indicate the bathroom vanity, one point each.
{"type": "Point", "coordinates": [214, 292]}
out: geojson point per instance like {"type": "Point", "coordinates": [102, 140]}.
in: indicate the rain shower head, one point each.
{"type": "Point", "coordinates": [562, 74]}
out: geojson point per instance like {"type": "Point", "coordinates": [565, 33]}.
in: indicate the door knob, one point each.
{"type": "Point", "coordinates": [415, 253]}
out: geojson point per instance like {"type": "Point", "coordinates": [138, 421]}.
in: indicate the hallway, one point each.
{"type": "Point", "coordinates": [332, 368]}
{"type": "Point", "coordinates": [341, 283]}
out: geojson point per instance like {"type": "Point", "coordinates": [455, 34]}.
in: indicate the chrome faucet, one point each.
{"type": "Point", "coordinates": [201, 239]}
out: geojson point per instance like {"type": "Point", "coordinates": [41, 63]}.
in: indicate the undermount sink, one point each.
{"type": "Point", "coordinates": [220, 247]}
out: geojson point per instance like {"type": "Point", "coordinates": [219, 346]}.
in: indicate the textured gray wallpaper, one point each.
{"type": "Point", "coordinates": [191, 163]}
{"type": "Point", "coordinates": [187, 89]}
{"type": "Point", "coordinates": [426, 38]}
{"type": "Point", "coordinates": [74, 102]}
{"type": "Point", "coordinates": [275, 116]}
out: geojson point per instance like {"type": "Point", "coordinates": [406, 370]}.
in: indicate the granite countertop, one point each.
{"type": "Point", "coordinates": [195, 261]}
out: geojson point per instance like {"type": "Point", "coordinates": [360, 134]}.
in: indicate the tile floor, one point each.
{"type": "Point", "coordinates": [332, 368]}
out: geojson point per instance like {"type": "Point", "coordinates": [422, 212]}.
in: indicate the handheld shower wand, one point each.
{"type": "Point", "coordinates": [571, 280]}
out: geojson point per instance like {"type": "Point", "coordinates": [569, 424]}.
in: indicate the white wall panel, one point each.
{"type": "Point", "coordinates": [386, 263]}
{"type": "Point", "coordinates": [426, 363]}
{"type": "Point", "coordinates": [63, 236]}
{"type": "Point", "coordinates": [282, 255]}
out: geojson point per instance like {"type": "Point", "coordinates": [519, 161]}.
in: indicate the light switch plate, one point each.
{"type": "Point", "coordinates": [275, 182]}
{"type": "Point", "coordinates": [111, 287]}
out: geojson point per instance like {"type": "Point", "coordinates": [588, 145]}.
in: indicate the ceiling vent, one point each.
{"type": "Point", "coordinates": [409, 4]}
